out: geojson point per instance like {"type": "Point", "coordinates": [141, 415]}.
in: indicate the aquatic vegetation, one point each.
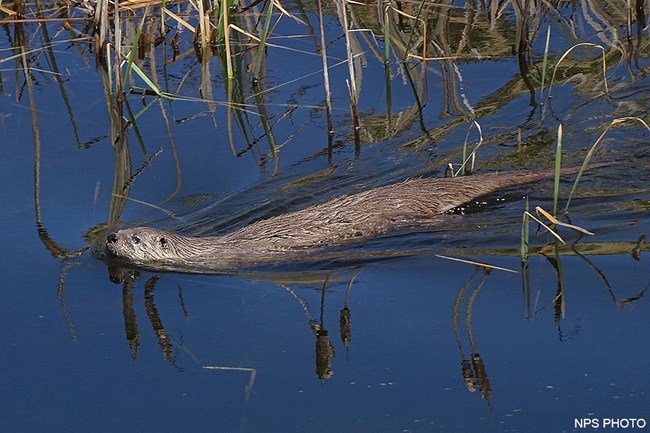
{"type": "Point", "coordinates": [150, 51]}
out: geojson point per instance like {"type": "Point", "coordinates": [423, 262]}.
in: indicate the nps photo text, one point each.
{"type": "Point", "coordinates": [609, 423]}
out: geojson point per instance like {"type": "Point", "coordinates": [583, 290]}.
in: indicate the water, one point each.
{"type": "Point", "coordinates": [381, 337]}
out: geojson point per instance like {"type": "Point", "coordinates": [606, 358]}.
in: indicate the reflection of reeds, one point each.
{"type": "Point", "coordinates": [59, 80]}
{"type": "Point", "coordinates": [154, 318]}
{"type": "Point", "coordinates": [559, 302]}
{"type": "Point", "coordinates": [22, 63]}
{"type": "Point", "coordinates": [544, 63]}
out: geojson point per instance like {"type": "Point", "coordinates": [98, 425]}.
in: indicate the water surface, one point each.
{"type": "Point", "coordinates": [385, 336]}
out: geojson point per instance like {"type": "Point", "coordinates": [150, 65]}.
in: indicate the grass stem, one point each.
{"type": "Point", "coordinates": [525, 233]}
{"type": "Point", "coordinates": [558, 167]}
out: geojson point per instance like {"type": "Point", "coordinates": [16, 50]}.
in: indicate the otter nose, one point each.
{"type": "Point", "coordinates": [111, 238]}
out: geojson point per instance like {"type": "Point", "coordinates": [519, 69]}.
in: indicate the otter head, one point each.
{"type": "Point", "coordinates": [141, 244]}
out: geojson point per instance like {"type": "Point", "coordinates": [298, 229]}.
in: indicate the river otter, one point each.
{"type": "Point", "coordinates": [339, 221]}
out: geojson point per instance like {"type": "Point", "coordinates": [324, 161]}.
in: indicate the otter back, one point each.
{"type": "Point", "coordinates": [339, 221]}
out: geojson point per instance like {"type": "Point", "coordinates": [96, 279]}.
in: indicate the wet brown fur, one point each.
{"type": "Point", "coordinates": [345, 219]}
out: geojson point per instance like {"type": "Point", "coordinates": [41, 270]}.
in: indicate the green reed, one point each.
{"type": "Point", "coordinates": [261, 48]}
{"type": "Point", "coordinates": [558, 169]}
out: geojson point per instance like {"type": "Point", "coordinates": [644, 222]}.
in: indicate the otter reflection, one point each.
{"type": "Point", "coordinates": [324, 350]}
{"type": "Point", "coordinates": [473, 368]}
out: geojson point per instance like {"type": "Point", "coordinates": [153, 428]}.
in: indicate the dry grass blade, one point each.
{"type": "Point", "coordinates": [584, 44]}
{"type": "Point", "coordinates": [471, 262]}
{"type": "Point", "coordinates": [285, 12]}
{"type": "Point", "coordinates": [472, 155]}
{"type": "Point", "coordinates": [226, 42]}
{"type": "Point", "coordinates": [137, 4]}
{"type": "Point", "coordinates": [101, 17]}
{"type": "Point", "coordinates": [550, 230]}
{"type": "Point", "coordinates": [402, 13]}
{"type": "Point", "coordinates": [428, 59]}
{"type": "Point", "coordinates": [204, 33]}
{"type": "Point", "coordinates": [151, 205]}
{"type": "Point", "coordinates": [557, 222]}
{"type": "Point", "coordinates": [7, 11]}
{"type": "Point", "coordinates": [180, 20]}
{"type": "Point", "coordinates": [245, 33]}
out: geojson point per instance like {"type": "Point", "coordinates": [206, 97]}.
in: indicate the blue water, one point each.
{"type": "Point", "coordinates": [249, 352]}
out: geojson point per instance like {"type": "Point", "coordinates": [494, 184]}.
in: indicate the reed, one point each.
{"type": "Point", "coordinates": [472, 156]}
{"type": "Point", "coordinates": [523, 255]}
{"type": "Point", "coordinates": [163, 28]}
{"type": "Point", "coordinates": [387, 74]}
{"type": "Point", "coordinates": [416, 31]}
{"type": "Point", "coordinates": [351, 82]}
{"type": "Point", "coordinates": [525, 233]}
{"type": "Point", "coordinates": [226, 36]}
{"type": "Point", "coordinates": [386, 28]}
{"type": "Point", "coordinates": [203, 37]}
{"type": "Point", "coordinates": [132, 52]}
{"type": "Point", "coordinates": [261, 47]}
{"type": "Point", "coordinates": [326, 79]}
{"type": "Point", "coordinates": [558, 169]}
{"type": "Point", "coordinates": [101, 23]}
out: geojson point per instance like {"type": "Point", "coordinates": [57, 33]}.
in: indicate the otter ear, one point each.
{"type": "Point", "coordinates": [163, 242]}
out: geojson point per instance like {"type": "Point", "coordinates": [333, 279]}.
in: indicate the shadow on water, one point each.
{"type": "Point", "coordinates": [215, 119]}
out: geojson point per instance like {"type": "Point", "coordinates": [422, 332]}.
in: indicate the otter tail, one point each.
{"type": "Point", "coordinates": [460, 190]}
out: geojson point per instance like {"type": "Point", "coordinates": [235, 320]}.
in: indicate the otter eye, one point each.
{"type": "Point", "coordinates": [163, 242]}
{"type": "Point", "coordinates": [136, 239]}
